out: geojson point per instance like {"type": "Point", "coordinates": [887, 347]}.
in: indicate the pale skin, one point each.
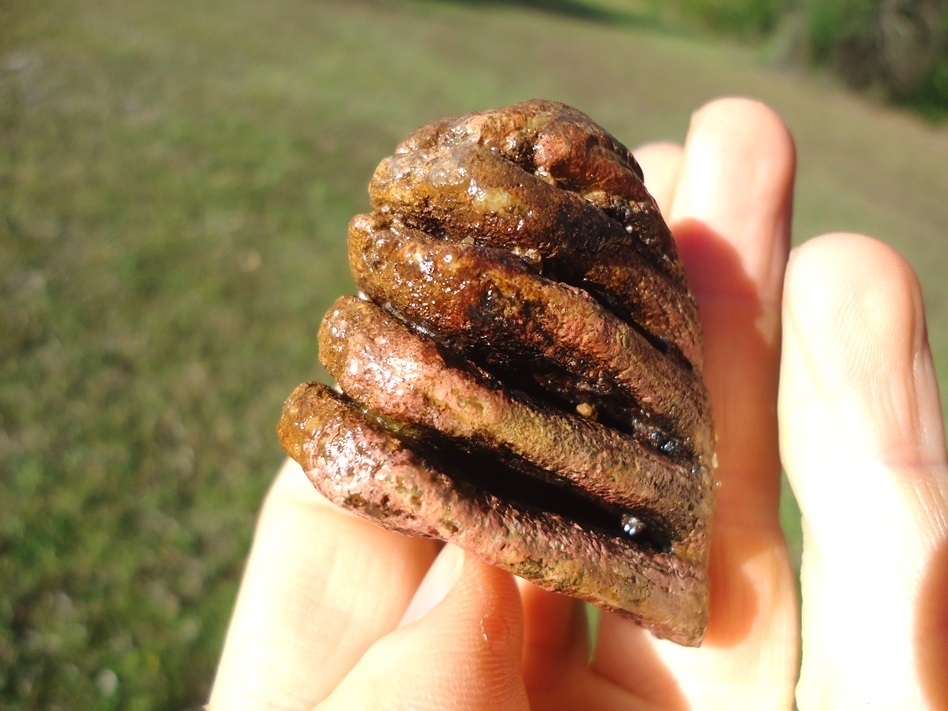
{"type": "Point", "coordinates": [817, 361]}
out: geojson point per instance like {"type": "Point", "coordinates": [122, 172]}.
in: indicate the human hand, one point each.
{"type": "Point", "coordinates": [339, 613]}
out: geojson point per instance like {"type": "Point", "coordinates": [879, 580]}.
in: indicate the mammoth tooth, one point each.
{"type": "Point", "coordinates": [521, 372]}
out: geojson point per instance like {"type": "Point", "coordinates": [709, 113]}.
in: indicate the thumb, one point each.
{"type": "Point", "coordinates": [462, 653]}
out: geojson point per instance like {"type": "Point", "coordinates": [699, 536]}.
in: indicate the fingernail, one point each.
{"type": "Point", "coordinates": [441, 577]}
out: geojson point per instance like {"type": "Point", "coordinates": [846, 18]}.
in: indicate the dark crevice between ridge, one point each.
{"type": "Point", "coordinates": [572, 271]}
{"type": "Point", "coordinates": [622, 312]}
{"type": "Point", "coordinates": [539, 383]}
{"type": "Point", "coordinates": [658, 252]}
{"type": "Point", "coordinates": [483, 472]}
{"type": "Point", "coordinates": [545, 385]}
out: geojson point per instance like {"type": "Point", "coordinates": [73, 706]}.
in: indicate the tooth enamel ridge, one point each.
{"type": "Point", "coordinates": [520, 373]}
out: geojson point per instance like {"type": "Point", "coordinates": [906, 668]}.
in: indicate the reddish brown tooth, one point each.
{"type": "Point", "coordinates": [521, 373]}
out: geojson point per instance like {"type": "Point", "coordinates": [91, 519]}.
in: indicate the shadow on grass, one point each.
{"type": "Point", "coordinates": [578, 10]}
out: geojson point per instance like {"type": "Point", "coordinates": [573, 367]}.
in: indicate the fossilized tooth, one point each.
{"type": "Point", "coordinates": [521, 374]}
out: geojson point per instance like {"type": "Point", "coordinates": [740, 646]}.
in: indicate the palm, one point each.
{"type": "Point", "coordinates": [861, 438]}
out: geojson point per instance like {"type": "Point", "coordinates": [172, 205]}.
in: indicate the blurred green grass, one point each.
{"type": "Point", "coordinates": [175, 182]}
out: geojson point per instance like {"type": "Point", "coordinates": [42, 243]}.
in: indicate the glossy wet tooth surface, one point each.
{"type": "Point", "coordinates": [522, 375]}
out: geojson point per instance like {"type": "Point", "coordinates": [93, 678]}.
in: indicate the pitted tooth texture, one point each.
{"type": "Point", "coordinates": [522, 375]}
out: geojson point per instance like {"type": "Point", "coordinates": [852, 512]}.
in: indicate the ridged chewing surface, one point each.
{"type": "Point", "coordinates": [522, 373]}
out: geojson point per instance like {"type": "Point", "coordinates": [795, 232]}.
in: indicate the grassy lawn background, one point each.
{"type": "Point", "coordinates": [175, 181]}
